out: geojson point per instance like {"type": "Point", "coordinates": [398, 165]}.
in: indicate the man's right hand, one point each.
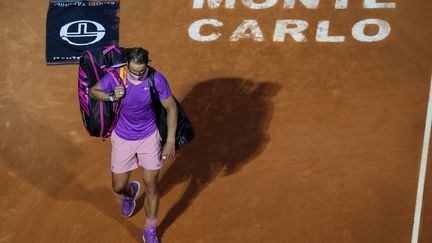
{"type": "Point", "coordinates": [119, 92]}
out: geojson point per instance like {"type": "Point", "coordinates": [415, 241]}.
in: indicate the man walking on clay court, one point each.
{"type": "Point", "coordinates": [135, 140]}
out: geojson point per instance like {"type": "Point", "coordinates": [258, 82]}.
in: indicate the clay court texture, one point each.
{"type": "Point", "coordinates": [310, 120]}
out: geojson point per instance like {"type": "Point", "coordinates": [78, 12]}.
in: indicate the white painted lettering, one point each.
{"type": "Point", "coordinates": [311, 4]}
{"type": "Point", "coordinates": [383, 31]}
{"type": "Point", "coordinates": [242, 32]}
{"type": "Point", "coordinates": [266, 4]}
{"type": "Point", "coordinates": [374, 4]}
{"type": "Point", "coordinates": [282, 29]}
{"type": "Point", "coordinates": [195, 30]}
{"type": "Point", "coordinates": [322, 34]}
{"type": "Point", "coordinates": [213, 3]}
{"type": "Point", "coordinates": [341, 4]}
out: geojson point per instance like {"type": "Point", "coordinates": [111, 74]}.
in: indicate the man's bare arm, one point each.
{"type": "Point", "coordinates": [171, 107]}
{"type": "Point", "coordinates": [96, 92]}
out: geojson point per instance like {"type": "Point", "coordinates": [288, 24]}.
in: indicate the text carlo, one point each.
{"type": "Point", "coordinates": [208, 29]}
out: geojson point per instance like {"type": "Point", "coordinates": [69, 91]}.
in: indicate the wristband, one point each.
{"type": "Point", "coordinates": [111, 98]}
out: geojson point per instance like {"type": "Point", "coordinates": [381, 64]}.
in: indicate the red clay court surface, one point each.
{"type": "Point", "coordinates": [296, 142]}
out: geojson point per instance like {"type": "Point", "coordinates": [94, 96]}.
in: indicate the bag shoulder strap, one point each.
{"type": "Point", "coordinates": [123, 74]}
{"type": "Point", "coordinates": [151, 77]}
{"type": "Point", "coordinates": [122, 80]}
{"type": "Point", "coordinates": [151, 85]}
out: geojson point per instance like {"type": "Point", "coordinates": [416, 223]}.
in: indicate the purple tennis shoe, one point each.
{"type": "Point", "coordinates": [128, 203]}
{"type": "Point", "coordinates": [149, 235]}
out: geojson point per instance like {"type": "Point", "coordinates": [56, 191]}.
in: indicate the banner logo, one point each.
{"type": "Point", "coordinates": [82, 32]}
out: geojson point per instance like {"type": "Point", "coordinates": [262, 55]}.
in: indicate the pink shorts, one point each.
{"type": "Point", "coordinates": [128, 155]}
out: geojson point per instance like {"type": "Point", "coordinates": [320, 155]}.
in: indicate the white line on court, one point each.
{"type": "Point", "coordinates": [422, 174]}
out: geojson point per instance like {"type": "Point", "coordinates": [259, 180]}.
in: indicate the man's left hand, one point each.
{"type": "Point", "coordinates": [168, 150]}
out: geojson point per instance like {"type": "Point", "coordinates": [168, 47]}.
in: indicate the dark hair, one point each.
{"type": "Point", "coordinates": [136, 54]}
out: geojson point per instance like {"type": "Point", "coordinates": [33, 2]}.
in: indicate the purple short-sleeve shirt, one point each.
{"type": "Point", "coordinates": [137, 118]}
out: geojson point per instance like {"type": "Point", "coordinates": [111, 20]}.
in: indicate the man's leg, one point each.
{"type": "Point", "coordinates": [129, 192]}
{"type": "Point", "coordinates": [120, 183]}
{"type": "Point", "coordinates": [150, 160]}
{"type": "Point", "coordinates": [123, 161]}
{"type": "Point", "coordinates": [151, 201]}
{"type": "Point", "coordinates": [151, 204]}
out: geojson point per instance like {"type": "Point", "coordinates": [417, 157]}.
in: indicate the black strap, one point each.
{"type": "Point", "coordinates": [153, 90]}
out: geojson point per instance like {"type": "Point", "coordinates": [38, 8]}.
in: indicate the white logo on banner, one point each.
{"type": "Point", "coordinates": [68, 34]}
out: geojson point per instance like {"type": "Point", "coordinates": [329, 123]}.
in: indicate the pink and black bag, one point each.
{"type": "Point", "coordinates": [99, 117]}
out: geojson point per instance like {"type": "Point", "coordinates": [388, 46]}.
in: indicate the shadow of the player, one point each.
{"type": "Point", "coordinates": [231, 118]}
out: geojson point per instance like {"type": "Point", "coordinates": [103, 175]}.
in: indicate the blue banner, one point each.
{"type": "Point", "coordinates": [75, 26]}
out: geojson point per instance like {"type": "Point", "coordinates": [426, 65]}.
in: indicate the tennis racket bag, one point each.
{"type": "Point", "coordinates": [99, 117]}
{"type": "Point", "coordinates": [185, 131]}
